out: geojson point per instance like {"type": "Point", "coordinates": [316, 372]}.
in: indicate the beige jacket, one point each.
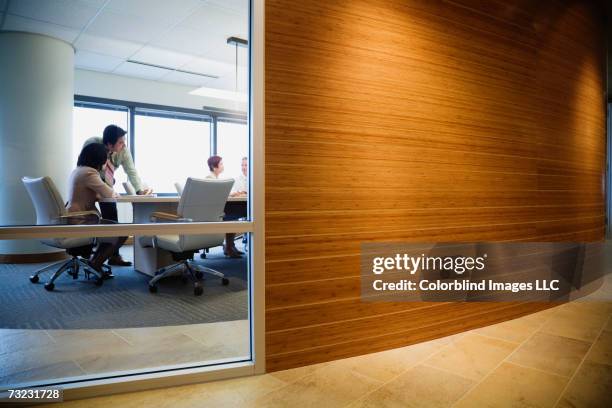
{"type": "Point", "coordinates": [85, 187]}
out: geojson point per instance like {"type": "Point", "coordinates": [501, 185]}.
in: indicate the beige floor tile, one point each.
{"type": "Point", "coordinates": [295, 374]}
{"type": "Point", "coordinates": [218, 331]}
{"type": "Point", "coordinates": [608, 326]}
{"type": "Point", "coordinates": [385, 365]}
{"type": "Point", "coordinates": [14, 367]}
{"type": "Point", "coordinates": [473, 356]}
{"type": "Point", "coordinates": [38, 371]}
{"type": "Point", "coordinates": [443, 341]}
{"type": "Point", "coordinates": [554, 354]}
{"type": "Point", "coordinates": [329, 386]}
{"type": "Point", "coordinates": [171, 350]}
{"type": "Point", "coordinates": [602, 308]}
{"type": "Point", "coordinates": [174, 397]}
{"type": "Point", "coordinates": [243, 392]}
{"type": "Point", "coordinates": [513, 386]}
{"type": "Point", "coordinates": [591, 387]}
{"type": "Point", "coordinates": [515, 331]}
{"type": "Point", "coordinates": [542, 316]}
{"type": "Point", "coordinates": [147, 335]}
{"type": "Point", "coordinates": [421, 386]}
{"type": "Point", "coordinates": [78, 344]}
{"type": "Point", "coordinates": [601, 351]}
{"type": "Point", "coordinates": [581, 321]}
{"type": "Point", "coordinates": [235, 334]}
{"type": "Point", "coordinates": [18, 340]}
{"type": "Point", "coordinates": [237, 392]}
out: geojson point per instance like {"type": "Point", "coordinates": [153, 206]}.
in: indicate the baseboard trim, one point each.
{"type": "Point", "coordinates": [33, 258]}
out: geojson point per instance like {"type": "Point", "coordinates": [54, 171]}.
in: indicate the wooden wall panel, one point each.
{"type": "Point", "coordinates": [420, 121]}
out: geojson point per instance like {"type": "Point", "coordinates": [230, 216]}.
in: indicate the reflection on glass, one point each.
{"type": "Point", "coordinates": [86, 328]}
{"type": "Point", "coordinates": [89, 122]}
{"type": "Point", "coordinates": [169, 150]}
{"type": "Point", "coordinates": [232, 145]}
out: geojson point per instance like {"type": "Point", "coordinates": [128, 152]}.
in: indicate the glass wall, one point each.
{"type": "Point", "coordinates": [85, 328]}
{"type": "Point", "coordinates": [174, 292]}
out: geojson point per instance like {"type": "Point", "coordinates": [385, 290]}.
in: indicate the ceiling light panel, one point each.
{"type": "Point", "coordinates": [160, 56]}
{"type": "Point", "coordinates": [140, 71]}
{"type": "Point", "coordinates": [185, 79]}
{"type": "Point", "coordinates": [209, 66]}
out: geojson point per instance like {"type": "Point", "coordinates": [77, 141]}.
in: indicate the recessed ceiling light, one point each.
{"type": "Point", "coordinates": [220, 94]}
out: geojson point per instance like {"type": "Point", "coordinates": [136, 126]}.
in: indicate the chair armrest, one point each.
{"type": "Point", "coordinates": [93, 215]}
{"type": "Point", "coordinates": [163, 216]}
{"type": "Point", "coordinates": [79, 214]}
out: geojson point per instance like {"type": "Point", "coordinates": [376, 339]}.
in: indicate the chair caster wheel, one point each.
{"type": "Point", "coordinates": [198, 290]}
{"type": "Point", "coordinates": [199, 275]}
{"type": "Point", "coordinates": [225, 281]}
{"type": "Point", "coordinates": [152, 288]}
{"type": "Point", "coordinates": [49, 286]}
{"type": "Point", "coordinates": [99, 281]}
{"type": "Point", "coordinates": [34, 278]}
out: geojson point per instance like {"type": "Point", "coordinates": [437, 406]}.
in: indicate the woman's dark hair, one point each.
{"type": "Point", "coordinates": [111, 134]}
{"type": "Point", "coordinates": [93, 155]}
{"type": "Point", "coordinates": [213, 162]}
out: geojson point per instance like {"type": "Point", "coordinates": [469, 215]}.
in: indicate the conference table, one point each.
{"type": "Point", "coordinates": [148, 260]}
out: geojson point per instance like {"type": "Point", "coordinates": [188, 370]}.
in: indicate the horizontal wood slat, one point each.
{"type": "Point", "coordinates": [420, 121]}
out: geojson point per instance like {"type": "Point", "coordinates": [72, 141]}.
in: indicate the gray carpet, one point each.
{"type": "Point", "coordinates": [121, 302]}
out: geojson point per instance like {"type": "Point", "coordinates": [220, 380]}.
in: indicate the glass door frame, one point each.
{"type": "Point", "coordinates": [137, 382]}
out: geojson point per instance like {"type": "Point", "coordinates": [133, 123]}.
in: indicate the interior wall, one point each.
{"type": "Point", "coordinates": [420, 121]}
{"type": "Point", "coordinates": [111, 86]}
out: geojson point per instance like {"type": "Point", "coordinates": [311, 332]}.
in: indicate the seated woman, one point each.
{"type": "Point", "coordinates": [215, 164]}
{"type": "Point", "coordinates": [85, 187]}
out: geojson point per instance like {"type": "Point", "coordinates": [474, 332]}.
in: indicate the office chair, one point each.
{"type": "Point", "coordinates": [50, 210]}
{"type": "Point", "coordinates": [201, 201]}
{"type": "Point", "coordinates": [179, 188]}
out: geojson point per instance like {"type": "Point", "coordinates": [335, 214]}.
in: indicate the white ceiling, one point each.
{"type": "Point", "coordinates": [189, 35]}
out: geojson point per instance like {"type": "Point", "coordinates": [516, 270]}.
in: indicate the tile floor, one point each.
{"type": "Point", "coordinates": [560, 357]}
{"type": "Point", "coordinates": [28, 356]}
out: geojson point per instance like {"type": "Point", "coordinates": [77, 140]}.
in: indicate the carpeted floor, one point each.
{"type": "Point", "coordinates": [121, 302]}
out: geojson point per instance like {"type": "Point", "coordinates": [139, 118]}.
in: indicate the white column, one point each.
{"type": "Point", "coordinates": [36, 101]}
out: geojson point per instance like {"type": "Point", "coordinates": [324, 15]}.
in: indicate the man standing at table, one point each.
{"type": "Point", "coordinates": [118, 155]}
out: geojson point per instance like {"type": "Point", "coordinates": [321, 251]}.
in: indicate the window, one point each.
{"type": "Point", "coordinates": [232, 145]}
{"type": "Point", "coordinates": [89, 120]}
{"type": "Point", "coordinates": [182, 140]}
